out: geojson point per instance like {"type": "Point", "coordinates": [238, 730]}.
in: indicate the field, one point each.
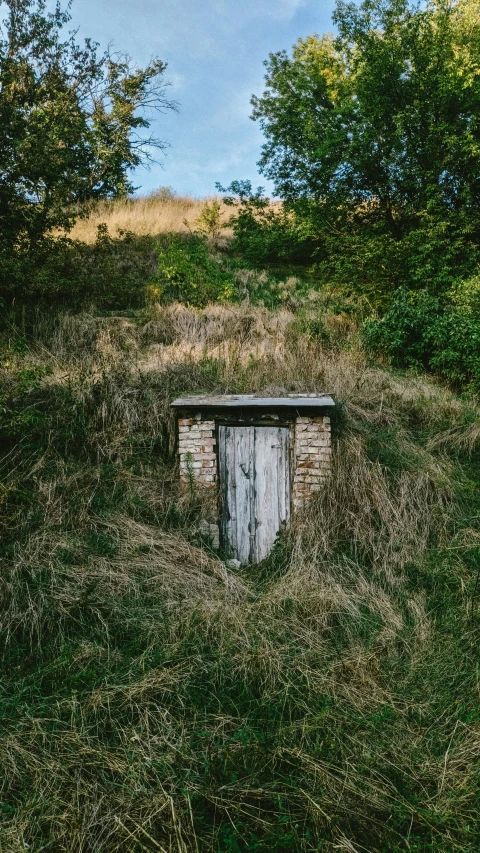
{"type": "Point", "coordinates": [158, 213]}
{"type": "Point", "coordinates": [154, 700]}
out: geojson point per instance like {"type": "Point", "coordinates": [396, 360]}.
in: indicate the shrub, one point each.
{"type": "Point", "coordinates": [419, 331]}
{"type": "Point", "coordinates": [111, 273]}
{"type": "Point", "coordinates": [209, 220]}
{"type": "Point", "coordinates": [116, 270]}
{"type": "Point", "coordinates": [356, 255]}
{"type": "Point", "coordinates": [121, 272]}
{"type": "Point", "coordinates": [466, 295]}
{"type": "Point", "coordinates": [188, 272]}
{"type": "Point", "coordinates": [265, 232]}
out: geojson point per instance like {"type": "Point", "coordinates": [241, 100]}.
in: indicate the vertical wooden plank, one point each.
{"type": "Point", "coordinates": [231, 490]}
{"type": "Point", "coordinates": [236, 484]}
{"type": "Point", "coordinates": [243, 438]}
{"type": "Point", "coordinates": [265, 489]}
{"type": "Point", "coordinates": [283, 466]}
{"type": "Point", "coordinates": [223, 484]}
{"type": "Point", "coordinates": [271, 487]}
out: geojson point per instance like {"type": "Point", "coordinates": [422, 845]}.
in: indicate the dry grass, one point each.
{"type": "Point", "coordinates": [158, 213]}
{"type": "Point", "coordinates": [156, 700]}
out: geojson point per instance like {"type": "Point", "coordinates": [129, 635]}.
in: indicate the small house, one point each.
{"type": "Point", "coordinates": [265, 456]}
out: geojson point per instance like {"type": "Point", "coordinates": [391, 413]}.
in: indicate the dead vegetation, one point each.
{"type": "Point", "coordinates": [152, 699]}
{"type": "Point", "coordinates": [161, 212]}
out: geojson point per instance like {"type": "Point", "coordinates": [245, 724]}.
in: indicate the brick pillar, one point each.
{"type": "Point", "coordinates": [196, 447]}
{"type": "Point", "coordinates": [313, 453]}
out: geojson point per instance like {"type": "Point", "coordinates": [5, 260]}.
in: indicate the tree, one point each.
{"type": "Point", "coordinates": [72, 123]}
{"type": "Point", "coordinates": [381, 122]}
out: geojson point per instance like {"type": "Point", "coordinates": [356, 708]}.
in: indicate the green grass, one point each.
{"type": "Point", "coordinates": [151, 699]}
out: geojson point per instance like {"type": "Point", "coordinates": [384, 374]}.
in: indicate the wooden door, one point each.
{"type": "Point", "coordinates": [255, 488]}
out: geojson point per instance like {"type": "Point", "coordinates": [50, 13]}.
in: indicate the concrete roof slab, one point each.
{"type": "Point", "coordinates": [251, 401]}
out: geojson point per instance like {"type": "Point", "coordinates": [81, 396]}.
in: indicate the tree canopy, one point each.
{"type": "Point", "coordinates": [73, 122]}
{"type": "Point", "coordinates": [382, 117]}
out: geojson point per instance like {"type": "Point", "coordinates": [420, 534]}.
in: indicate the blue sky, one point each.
{"type": "Point", "coordinates": [215, 50]}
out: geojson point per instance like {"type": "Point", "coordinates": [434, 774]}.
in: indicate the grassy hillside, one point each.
{"type": "Point", "coordinates": [153, 700]}
{"type": "Point", "coordinates": [161, 212]}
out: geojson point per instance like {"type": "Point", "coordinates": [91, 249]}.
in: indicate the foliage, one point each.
{"type": "Point", "coordinates": [348, 253]}
{"type": "Point", "coordinates": [72, 123]}
{"type": "Point", "coordinates": [372, 138]}
{"type": "Point", "coordinates": [466, 296]}
{"type": "Point", "coordinates": [418, 331]}
{"type": "Point", "coordinates": [111, 273]}
{"type": "Point", "coordinates": [265, 233]}
{"type": "Point", "coordinates": [187, 272]}
{"type": "Point", "coordinates": [263, 288]}
{"type": "Point", "coordinates": [385, 114]}
{"type": "Point", "coordinates": [209, 220]}
{"type": "Point", "coordinates": [114, 271]}
{"type": "Point", "coordinates": [128, 271]}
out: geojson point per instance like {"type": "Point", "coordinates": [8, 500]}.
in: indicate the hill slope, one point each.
{"type": "Point", "coordinates": [154, 700]}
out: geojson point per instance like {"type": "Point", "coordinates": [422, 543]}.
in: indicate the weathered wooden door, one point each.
{"type": "Point", "coordinates": [255, 488]}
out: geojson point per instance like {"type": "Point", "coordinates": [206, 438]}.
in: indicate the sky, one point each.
{"type": "Point", "coordinates": [215, 51]}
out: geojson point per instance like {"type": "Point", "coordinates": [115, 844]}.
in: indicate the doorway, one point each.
{"type": "Point", "coordinates": [254, 471]}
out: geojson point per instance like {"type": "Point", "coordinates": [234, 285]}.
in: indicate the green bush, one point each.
{"type": "Point", "coordinates": [111, 273]}
{"type": "Point", "coordinates": [209, 221]}
{"type": "Point", "coordinates": [265, 233]}
{"type": "Point", "coordinates": [352, 251]}
{"type": "Point", "coordinates": [358, 256]}
{"type": "Point", "coordinates": [466, 295]}
{"type": "Point", "coordinates": [119, 273]}
{"type": "Point", "coordinates": [116, 270]}
{"type": "Point", "coordinates": [418, 330]}
{"type": "Point", "coordinates": [123, 272]}
{"type": "Point", "coordinates": [188, 272]}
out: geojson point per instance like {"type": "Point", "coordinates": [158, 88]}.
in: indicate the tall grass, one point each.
{"type": "Point", "coordinates": [161, 212]}
{"type": "Point", "coordinates": [153, 699]}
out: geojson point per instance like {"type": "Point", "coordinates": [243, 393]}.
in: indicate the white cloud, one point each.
{"type": "Point", "coordinates": [214, 50]}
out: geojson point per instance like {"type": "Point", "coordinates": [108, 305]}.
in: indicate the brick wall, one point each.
{"type": "Point", "coordinates": [196, 447]}
{"type": "Point", "coordinates": [313, 452]}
